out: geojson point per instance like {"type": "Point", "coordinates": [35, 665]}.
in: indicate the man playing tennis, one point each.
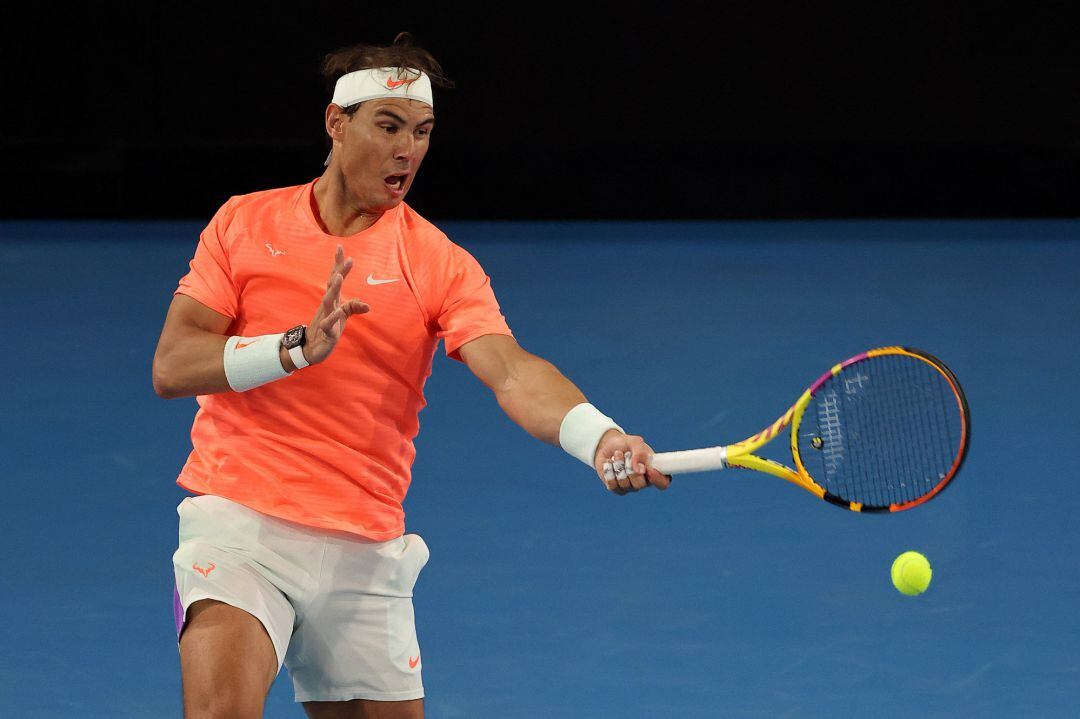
{"type": "Point", "coordinates": [293, 551]}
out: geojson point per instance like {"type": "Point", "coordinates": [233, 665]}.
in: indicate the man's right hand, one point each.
{"type": "Point", "coordinates": [329, 321]}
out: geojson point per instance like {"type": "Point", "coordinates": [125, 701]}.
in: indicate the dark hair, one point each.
{"type": "Point", "coordinates": [400, 53]}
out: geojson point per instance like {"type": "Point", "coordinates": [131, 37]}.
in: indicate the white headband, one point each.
{"type": "Point", "coordinates": [372, 83]}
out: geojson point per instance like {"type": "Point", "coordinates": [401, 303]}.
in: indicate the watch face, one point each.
{"type": "Point", "coordinates": [293, 338]}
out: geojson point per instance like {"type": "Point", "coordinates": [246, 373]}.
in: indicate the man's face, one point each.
{"type": "Point", "coordinates": [380, 149]}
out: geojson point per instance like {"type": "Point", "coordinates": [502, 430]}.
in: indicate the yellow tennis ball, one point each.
{"type": "Point", "coordinates": [911, 573]}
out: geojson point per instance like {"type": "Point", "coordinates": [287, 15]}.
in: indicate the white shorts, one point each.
{"type": "Point", "coordinates": [337, 607]}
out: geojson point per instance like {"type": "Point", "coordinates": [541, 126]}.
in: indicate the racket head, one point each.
{"type": "Point", "coordinates": [883, 431]}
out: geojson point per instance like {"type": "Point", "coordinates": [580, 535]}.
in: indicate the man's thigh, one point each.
{"type": "Point", "coordinates": [227, 662]}
{"type": "Point", "coordinates": [366, 709]}
{"type": "Point", "coordinates": [357, 639]}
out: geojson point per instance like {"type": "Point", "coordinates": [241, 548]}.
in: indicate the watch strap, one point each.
{"type": "Point", "coordinates": [297, 356]}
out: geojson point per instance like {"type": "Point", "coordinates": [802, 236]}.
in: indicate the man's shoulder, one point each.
{"type": "Point", "coordinates": [244, 212]}
{"type": "Point", "coordinates": [265, 199]}
{"type": "Point", "coordinates": [418, 229]}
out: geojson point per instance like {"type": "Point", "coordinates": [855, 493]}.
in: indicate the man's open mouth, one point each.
{"type": "Point", "coordinates": [396, 183]}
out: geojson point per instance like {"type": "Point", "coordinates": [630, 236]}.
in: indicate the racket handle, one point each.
{"type": "Point", "coordinates": [691, 460]}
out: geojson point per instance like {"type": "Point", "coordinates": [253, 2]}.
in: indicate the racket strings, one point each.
{"type": "Point", "coordinates": [922, 430]}
{"type": "Point", "coordinates": [921, 435]}
{"type": "Point", "coordinates": [883, 431]}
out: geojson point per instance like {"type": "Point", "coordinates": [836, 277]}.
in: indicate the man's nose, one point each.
{"type": "Point", "coordinates": [405, 146]}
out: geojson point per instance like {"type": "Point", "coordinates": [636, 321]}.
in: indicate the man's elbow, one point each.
{"type": "Point", "coordinates": [163, 386]}
{"type": "Point", "coordinates": [163, 390]}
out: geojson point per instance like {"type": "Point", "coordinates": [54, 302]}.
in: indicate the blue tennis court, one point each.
{"type": "Point", "coordinates": [732, 594]}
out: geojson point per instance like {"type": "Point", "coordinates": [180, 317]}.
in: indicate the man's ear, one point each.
{"type": "Point", "coordinates": [335, 119]}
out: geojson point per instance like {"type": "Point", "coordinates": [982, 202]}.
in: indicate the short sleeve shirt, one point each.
{"type": "Point", "coordinates": [331, 445]}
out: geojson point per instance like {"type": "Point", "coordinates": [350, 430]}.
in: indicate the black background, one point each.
{"type": "Point", "coordinates": [748, 109]}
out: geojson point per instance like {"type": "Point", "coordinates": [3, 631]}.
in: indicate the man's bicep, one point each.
{"type": "Point", "coordinates": [186, 313]}
{"type": "Point", "coordinates": [494, 359]}
{"type": "Point", "coordinates": [188, 358]}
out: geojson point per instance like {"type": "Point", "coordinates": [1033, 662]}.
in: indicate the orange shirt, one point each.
{"type": "Point", "coordinates": [331, 445]}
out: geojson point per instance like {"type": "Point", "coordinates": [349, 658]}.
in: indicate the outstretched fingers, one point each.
{"type": "Point", "coordinates": [334, 322]}
{"type": "Point", "coordinates": [338, 273]}
{"type": "Point", "coordinates": [339, 263]}
{"type": "Point", "coordinates": [333, 293]}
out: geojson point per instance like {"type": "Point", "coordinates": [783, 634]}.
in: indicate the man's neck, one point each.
{"type": "Point", "coordinates": [333, 211]}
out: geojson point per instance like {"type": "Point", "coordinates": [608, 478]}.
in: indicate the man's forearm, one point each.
{"type": "Point", "coordinates": [194, 364]}
{"type": "Point", "coordinates": [537, 397]}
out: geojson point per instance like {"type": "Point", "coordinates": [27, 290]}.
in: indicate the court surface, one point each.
{"type": "Point", "coordinates": [732, 594]}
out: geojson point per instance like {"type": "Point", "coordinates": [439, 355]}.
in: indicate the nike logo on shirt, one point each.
{"type": "Point", "coordinates": [372, 281]}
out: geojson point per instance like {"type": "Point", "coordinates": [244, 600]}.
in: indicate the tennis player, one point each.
{"type": "Point", "coordinates": [306, 328]}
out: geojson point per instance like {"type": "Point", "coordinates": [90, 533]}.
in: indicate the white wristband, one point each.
{"type": "Point", "coordinates": [253, 361]}
{"type": "Point", "coordinates": [581, 430]}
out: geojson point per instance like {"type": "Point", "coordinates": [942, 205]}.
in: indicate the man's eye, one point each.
{"type": "Point", "coordinates": [423, 133]}
{"type": "Point", "coordinates": [390, 128]}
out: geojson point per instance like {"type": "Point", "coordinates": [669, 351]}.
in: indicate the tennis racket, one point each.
{"type": "Point", "coordinates": [883, 431]}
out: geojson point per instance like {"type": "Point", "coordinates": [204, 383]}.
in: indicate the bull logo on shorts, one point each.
{"type": "Point", "coordinates": [204, 571]}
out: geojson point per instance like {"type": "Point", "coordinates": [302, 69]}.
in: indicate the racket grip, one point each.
{"type": "Point", "coordinates": [691, 460]}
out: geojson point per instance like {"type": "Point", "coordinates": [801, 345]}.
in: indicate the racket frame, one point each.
{"type": "Point", "coordinates": [740, 454]}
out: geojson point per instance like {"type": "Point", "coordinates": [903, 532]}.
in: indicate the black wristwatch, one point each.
{"type": "Point", "coordinates": [293, 341]}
